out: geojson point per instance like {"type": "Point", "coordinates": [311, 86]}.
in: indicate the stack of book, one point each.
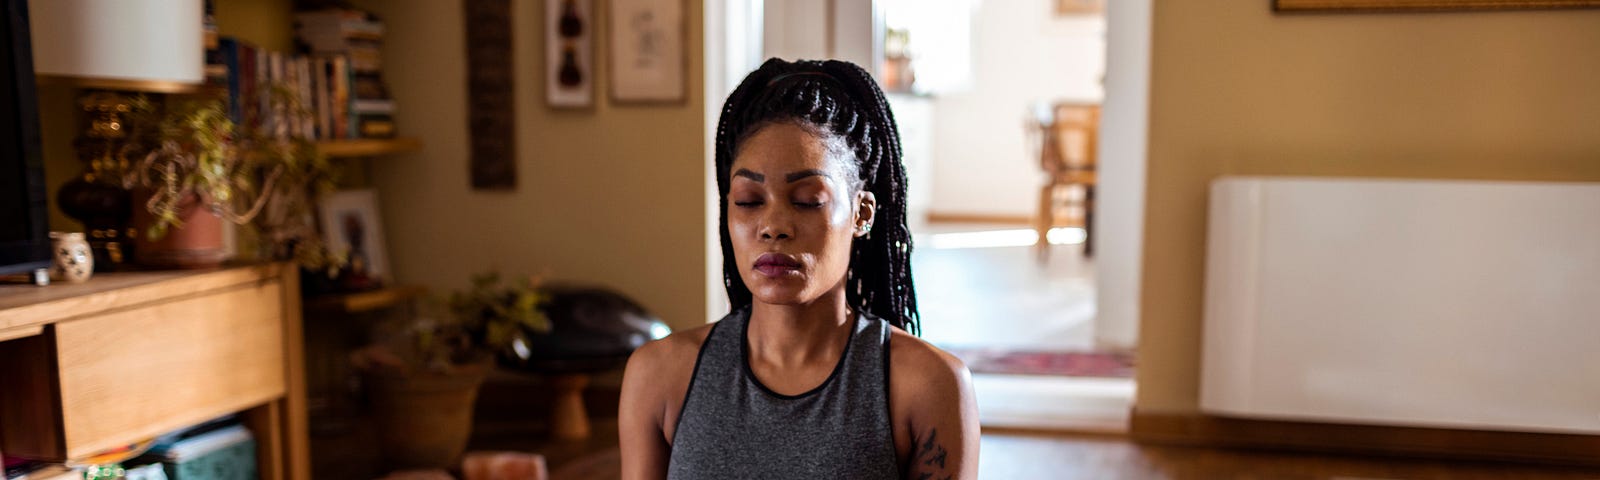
{"type": "Point", "coordinates": [356, 37]}
{"type": "Point", "coordinates": [253, 77]}
{"type": "Point", "coordinates": [334, 90]}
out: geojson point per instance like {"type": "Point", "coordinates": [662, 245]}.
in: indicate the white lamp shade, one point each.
{"type": "Point", "coordinates": [122, 42]}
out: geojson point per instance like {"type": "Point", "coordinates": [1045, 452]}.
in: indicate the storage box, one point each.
{"type": "Point", "coordinates": [225, 454]}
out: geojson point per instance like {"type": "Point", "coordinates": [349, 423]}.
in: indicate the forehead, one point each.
{"type": "Point", "coordinates": [785, 147]}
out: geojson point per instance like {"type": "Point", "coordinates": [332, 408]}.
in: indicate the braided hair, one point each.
{"type": "Point", "coordinates": [840, 100]}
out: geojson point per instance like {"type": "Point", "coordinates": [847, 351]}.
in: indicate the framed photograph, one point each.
{"type": "Point", "coordinates": [648, 62]}
{"type": "Point", "coordinates": [351, 225]}
{"type": "Point", "coordinates": [1425, 5]}
{"type": "Point", "coordinates": [569, 53]}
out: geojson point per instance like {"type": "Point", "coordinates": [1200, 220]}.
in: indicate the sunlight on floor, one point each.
{"type": "Point", "coordinates": [1004, 297]}
{"type": "Point", "coordinates": [1002, 238]}
{"type": "Point", "coordinates": [1054, 403]}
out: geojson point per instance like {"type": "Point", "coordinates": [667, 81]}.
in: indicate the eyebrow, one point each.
{"type": "Point", "coordinates": [790, 178]}
{"type": "Point", "coordinates": [750, 175]}
{"type": "Point", "coordinates": [796, 176]}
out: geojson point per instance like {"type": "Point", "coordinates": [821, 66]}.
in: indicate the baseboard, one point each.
{"type": "Point", "coordinates": [1195, 429]}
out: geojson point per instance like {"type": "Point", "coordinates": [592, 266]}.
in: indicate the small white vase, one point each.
{"type": "Point", "coordinates": [74, 262]}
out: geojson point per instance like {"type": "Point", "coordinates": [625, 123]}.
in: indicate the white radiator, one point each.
{"type": "Point", "coordinates": [1456, 304]}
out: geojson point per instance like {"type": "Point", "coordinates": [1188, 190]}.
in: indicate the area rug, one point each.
{"type": "Point", "coordinates": [1068, 364]}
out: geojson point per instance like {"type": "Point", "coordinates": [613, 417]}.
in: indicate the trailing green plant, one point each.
{"type": "Point", "coordinates": [187, 149]}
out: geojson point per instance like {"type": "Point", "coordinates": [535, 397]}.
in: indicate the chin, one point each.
{"type": "Point", "coordinates": [778, 292]}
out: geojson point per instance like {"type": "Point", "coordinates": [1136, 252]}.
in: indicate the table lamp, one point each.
{"type": "Point", "coordinates": [108, 47]}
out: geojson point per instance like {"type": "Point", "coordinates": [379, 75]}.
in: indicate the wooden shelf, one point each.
{"type": "Point", "coordinates": [368, 147]}
{"type": "Point", "coordinates": [365, 301]}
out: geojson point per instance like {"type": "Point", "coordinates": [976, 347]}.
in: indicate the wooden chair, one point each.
{"type": "Point", "coordinates": [1068, 153]}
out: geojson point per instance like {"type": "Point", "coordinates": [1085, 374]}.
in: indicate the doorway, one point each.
{"type": "Point", "coordinates": [965, 78]}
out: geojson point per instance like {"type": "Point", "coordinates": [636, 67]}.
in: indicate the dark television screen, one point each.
{"type": "Point", "coordinates": [24, 236]}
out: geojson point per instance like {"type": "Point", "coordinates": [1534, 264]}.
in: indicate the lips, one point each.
{"type": "Point", "coordinates": [777, 265]}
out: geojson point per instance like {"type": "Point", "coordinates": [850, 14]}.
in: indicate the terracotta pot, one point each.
{"type": "Point", "coordinates": [425, 419]}
{"type": "Point", "coordinates": [198, 243]}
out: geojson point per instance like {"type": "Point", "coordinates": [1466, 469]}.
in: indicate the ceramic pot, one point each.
{"type": "Point", "coordinates": [73, 262]}
{"type": "Point", "coordinates": [196, 243]}
{"type": "Point", "coordinates": [424, 419]}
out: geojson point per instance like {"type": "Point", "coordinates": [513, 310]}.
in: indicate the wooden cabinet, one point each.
{"type": "Point", "coordinates": [127, 356]}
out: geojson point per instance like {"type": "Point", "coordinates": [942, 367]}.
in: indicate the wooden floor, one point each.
{"type": "Point", "coordinates": [1007, 455]}
{"type": "Point", "coordinates": [1015, 455]}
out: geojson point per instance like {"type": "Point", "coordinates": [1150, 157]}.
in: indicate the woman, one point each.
{"type": "Point", "coordinates": [814, 373]}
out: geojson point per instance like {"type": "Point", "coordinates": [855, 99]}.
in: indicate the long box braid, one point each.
{"type": "Point", "coordinates": [841, 99]}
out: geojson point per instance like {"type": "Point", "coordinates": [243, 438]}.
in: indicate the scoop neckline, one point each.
{"type": "Point", "coordinates": [744, 347]}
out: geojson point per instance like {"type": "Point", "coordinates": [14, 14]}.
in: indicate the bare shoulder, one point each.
{"type": "Point", "coordinates": [933, 410]}
{"type": "Point", "coordinates": [657, 378]}
{"type": "Point", "coordinates": [663, 352]}
{"type": "Point", "coordinates": [923, 365]}
{"type": "Point", "coordinates": [667, 358]}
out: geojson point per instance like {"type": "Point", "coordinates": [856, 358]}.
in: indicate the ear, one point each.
{"type": "Point", "coordinates": [866, 212]}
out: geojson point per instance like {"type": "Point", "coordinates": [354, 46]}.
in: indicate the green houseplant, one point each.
{"type": "Point", "coordinates": [191, 167]}
{"type": "Point", "coordinates": [424, 376]}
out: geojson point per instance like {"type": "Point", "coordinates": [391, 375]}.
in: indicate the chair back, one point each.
{"type": "Point", "coordinates": [1074, 134]}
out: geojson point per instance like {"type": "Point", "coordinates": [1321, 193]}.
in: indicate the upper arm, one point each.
{"type": "Point", "coordinates": [640, 416]}
{"type": "Point", "coordinates": [653, 387]}
{"type": "Point", "coordinates": [938, 412]}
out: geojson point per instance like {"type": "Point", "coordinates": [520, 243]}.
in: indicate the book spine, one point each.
{"type": "Point", "coordinates": [230, 50]}
{"type": "Point", "coordinates": [327, 98]}
{"type": "Point", "coordinates": [248, 100]}
{"type": "Point", "coordinates": [303, 105]}
{"type": "Point", "coordinates": [341, 97]}
{"type": "Point", "coordinates": [351, 122]}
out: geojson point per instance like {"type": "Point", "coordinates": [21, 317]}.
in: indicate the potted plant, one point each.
{"type": "Point", "coordinates": [190, 168]}
{"type": "Point", "coordinates": [423, 378]}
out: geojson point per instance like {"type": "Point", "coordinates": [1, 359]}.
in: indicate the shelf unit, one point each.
{"type": "Point", "coordinates": [127, 356]}
{"type": "Point", "coordinates": [368, 147]}
{"type": "Point", "coordinates": [359, 302]}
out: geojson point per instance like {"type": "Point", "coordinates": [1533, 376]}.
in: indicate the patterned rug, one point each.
{"type": "Point", "coordinates": [1069, 364]}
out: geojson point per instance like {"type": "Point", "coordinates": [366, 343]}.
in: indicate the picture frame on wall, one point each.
{"type": "Point", "coordinates": [351, 226]}
{"type": "Point", "coordinates": [569, 53]}
{"type": "Point", "coordinates": [648, 63]}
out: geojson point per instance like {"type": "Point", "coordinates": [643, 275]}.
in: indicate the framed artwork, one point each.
{"type": "Point", "coordinates": [648, 62]}
{"type": "Point", "coordinates": [1425, 5]}
{"type": "Point", "coordinates": [351, 225]}
{"type": "Point", "coordinates": [568, 53]}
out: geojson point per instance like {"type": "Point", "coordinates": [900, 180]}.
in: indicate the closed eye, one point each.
{"type": "Point", "coordinates": [808, 204]}
{"type": "Point", "coordinates": [755, 203]}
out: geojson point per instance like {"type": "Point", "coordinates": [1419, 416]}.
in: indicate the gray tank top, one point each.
{"type": "Point", "coordinates": [732, 426]}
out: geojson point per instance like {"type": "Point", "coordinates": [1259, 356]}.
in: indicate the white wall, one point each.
{"type": "Point", "coordinates": [1119, 227]}
{"type": "Point", "coordinates": [795, 29]}
{"type": "Point", "coordinates": [1023, 54]}
{"type": "Point", "coordinates": [800, 29]}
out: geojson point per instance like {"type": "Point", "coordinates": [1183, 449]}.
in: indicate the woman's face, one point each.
{"type": "Point", "coordinates": [792, 215]}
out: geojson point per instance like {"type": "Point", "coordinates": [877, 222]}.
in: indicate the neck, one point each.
{"type": "Point", "coordinates": [792, 335]}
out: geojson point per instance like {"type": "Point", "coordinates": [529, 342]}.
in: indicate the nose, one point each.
{"type": "Point", "coordinates": [776, 226]}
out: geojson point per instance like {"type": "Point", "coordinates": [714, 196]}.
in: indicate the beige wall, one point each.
{"type": "Point", "coordinates": [611, 196]}
{"type": "Point", "coordinates": [1236, 89]}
